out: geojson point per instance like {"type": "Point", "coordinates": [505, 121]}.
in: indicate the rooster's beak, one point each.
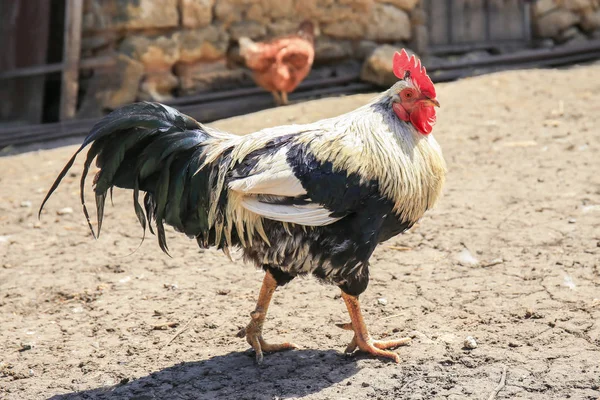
{"type": "Point", "coordinates": [433, 102]}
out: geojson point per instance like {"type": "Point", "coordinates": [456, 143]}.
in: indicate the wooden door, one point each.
{"type": "Point", "coordinates": [24, 28]}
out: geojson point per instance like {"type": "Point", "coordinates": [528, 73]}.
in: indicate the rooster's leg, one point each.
{"type": "Point", "coordinates": [276, 97]}
{"type": "Point", "coordinates": [253, 332]}
{"type": "Point", "coordinates": [362, 339]}
{"type": "Point", "coordinates": [284, 99]}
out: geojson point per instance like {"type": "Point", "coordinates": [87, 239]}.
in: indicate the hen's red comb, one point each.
{"type": "Point", "coordinates": [404, 64]}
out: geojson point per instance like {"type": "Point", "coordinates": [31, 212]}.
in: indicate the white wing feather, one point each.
{"type": "Point", "coordinates": [309, 215]}
{"type": "Point", "coordinates": [276, 178]}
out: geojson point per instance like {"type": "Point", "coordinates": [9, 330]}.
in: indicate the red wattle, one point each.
{"type": "Point", "coordinates": [423, 118]}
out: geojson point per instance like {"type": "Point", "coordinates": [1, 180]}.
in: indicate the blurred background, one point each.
{"type": "Point", "coordinates": [67, 62]}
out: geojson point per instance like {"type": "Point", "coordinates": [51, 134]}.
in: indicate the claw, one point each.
{"type": "Point", "coordinates": [362, 339]}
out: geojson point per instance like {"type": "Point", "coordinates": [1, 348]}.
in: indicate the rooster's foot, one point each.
{"type": "Point", "coordinates": [253, 334]}
{"type": "Point", "coordinates": [374, 347]}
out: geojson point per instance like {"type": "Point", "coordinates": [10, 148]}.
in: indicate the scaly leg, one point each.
{"type": "Point", "coordinates": [362, 339]}
{"type": "Point", "coordinates": [277, 98]}
{"type": "Point", "coordinates": [253, 332]}
{"type": "Point", "coordinates": [284, 99]}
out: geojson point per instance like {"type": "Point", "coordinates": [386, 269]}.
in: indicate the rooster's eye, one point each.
{"type": "Point", "coordinates": [407, 94]}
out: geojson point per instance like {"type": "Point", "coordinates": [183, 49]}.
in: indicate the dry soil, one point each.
{"type": "Point", "coordinates": [510, 256]}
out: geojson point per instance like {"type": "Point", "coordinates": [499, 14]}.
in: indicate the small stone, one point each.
{"type": "Point", "coordinates": [382, 301]}
{"type": "Point", "coordinates": [572, 220]}
{"type": "Point", "coordinates": [470, 343]}
{"type": "Point", "coordinates": [495, 261]}
{"type": "Point", "coordinates": [514, 344]}
{"type": "Point", "coordinates": [26, 204]}
{"type": "Point", "coordinates": [64, 211]}
{"type": "Point", "coordinates": [26, 346]}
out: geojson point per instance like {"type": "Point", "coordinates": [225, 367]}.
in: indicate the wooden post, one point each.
{"type": "Point", "coordinates": [72, 53]}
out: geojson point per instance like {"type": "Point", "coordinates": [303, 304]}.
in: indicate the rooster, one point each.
{"type": "Point", "coordinates": [299, 199]}
{"type": "Point", "coordinates": [279, 65]}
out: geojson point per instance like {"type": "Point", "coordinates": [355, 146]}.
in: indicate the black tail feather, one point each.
{"type": "Point", "coordinates": [152, 148]}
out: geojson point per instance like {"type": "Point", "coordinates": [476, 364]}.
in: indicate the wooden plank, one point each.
{"type": "Point", "coordinates": [72, 53]}
{"type": "Point", "coordinates": [88, 63]}
{"type": "Point", "coordinates": [506, 20]}
{"type": "Point", "coordinates": [468, 21]}
{"type": "Point", "coordinates": [437, 21]}
{"type": "Point", "coordinates": [24, 27]}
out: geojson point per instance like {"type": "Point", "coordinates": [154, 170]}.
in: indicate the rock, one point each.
{"type": "Point", "coordinates": [65, 211]}
{"type": "Point", "coordinates": [270, 10]}
{"type": "Point", "coordinates": [388, 23]}
{"type": "Point", "coordinates": [545, 44]}
{"type": "Point", "coordinates": [579, 5]}
{"type": "Point", "coordinates": [554, 22]}
{"type": "Point", "coordinates": [205, 44]}
{"type": "Point", "coordinates": [328, 11]}
{"type": "Point", "coordinates": [98, 41]}
{"type": "Point", "coordinates": [158, 86]}
{"type": "Point", "coordinates": [251, 29]}
{"type": "Point", "coordinates": [26, 204]}
{"type": "Point", "coordinates": [196, 13]}
{"type": "Point", "coordinates": [206, 76]}
{"type": "Point", "coordinates": [382, 301]}
{"type": "Point", "coordinates": [156, 53]}
{"type": "Point", "coordinates": [406, 5]}
{"type": "Point", "coordinates": [543, 6]}
{"type": "Point", "coordinates": [227, 12]}
{"type": "Point", "coordinates": [327, 49]}
{"type": "Point", "coordinates": [418, 16]}
{"type": "Point", "coordinates": [590, 21]}
{"type": "Point", "coordinates": [571, 35]}
{"type": "Point", "coordinates": [112, 87]}
{"type": "Point", "coordinates": [377, 68]}
{"type": "Point", "coordinates": [282, 27]}
{"type": "Point", "coordinates": [470, 343]}
{"type": "Point", "coordinates": [130, 14]}
{"type": "Point", "coordinates": [364, 49]}
{"type": "Point", "coordinates": [345, 30]}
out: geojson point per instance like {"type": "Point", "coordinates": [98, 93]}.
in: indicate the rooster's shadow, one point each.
{"type": "Point", "coordinates": [234, 376]}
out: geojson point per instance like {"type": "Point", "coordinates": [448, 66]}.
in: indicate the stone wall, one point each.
{"type": "Point", "coordinates": [179, 47]}
{"type": "Point", "coordinates": [167, 48]}
{"type": "Point", "coordinates": [566, 20]}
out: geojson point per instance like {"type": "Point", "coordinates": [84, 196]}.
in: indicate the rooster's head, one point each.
{"type": "Point", "coordinates": [413, 97]}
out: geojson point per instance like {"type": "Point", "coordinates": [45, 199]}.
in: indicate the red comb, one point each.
{"type": "Point", "coordinates": [403, 64]}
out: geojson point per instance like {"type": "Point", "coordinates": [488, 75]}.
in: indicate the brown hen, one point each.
{"type": "Point", "coordinates": [280, 64]}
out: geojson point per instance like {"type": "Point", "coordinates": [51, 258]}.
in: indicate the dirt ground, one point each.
{"type": "Point", "coordinates": [510, 256]}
